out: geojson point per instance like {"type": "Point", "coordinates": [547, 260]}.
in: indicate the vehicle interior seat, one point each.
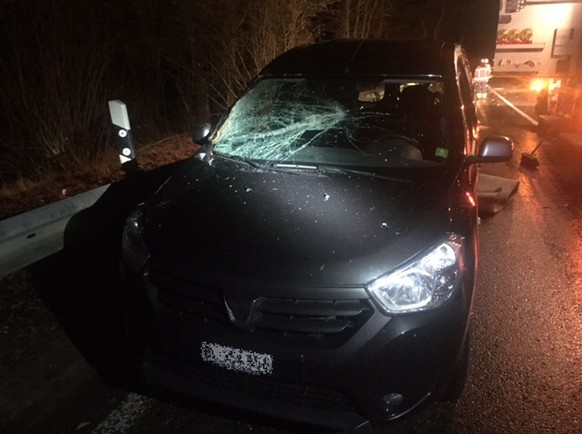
{"type": "Point", "coordinates": [422, 114]}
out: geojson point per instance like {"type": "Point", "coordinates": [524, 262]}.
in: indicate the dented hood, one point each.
{"type": "Point", "coordinates": [301, 228]}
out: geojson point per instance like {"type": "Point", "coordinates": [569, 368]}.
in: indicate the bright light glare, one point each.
{"type": "Point", "coordinates": [471, 199]}
{"type": "Point", "coordinates": [439, 259]}
{"type": "Point", "coordinates": [539, 84]}
{"type": "Point", "coordinates": [426, 283]}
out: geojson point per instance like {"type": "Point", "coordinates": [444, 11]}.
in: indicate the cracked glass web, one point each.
{"type": "Point", "coordinates": [337, 121]}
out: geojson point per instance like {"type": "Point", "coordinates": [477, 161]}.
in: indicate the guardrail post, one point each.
{"type": "Point", "coordinates": [126, 149]}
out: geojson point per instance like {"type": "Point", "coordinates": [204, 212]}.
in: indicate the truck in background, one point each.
{"type": "Point", "coordinates": [542, 39]}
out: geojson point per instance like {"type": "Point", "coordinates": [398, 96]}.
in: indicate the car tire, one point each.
{"type": "Point", "coordinates": [456, 385]}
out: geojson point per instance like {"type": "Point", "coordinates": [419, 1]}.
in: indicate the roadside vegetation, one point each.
{"type": "Point", "coordinates": [174, 64]}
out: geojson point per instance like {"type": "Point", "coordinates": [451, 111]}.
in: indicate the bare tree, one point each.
{"type": "Point", "coordinates": [52, 85]}
{"type": "Point", "coordinates": [236, 39]}
{"type": "Point", "coordinates": [360, 19]}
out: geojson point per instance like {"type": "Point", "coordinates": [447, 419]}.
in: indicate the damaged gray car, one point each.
{"type": "Point", "coordinates": [316, 260]}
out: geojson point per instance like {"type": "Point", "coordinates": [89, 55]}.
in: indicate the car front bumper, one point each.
{"type": "Point", "coordinates": [382, 369]}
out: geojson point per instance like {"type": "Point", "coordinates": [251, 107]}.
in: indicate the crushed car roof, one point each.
{"type": "Point", "coordinates": [362, 57]}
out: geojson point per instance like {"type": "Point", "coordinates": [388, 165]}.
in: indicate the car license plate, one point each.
{"type": "Point", "coordinates": [236, 359]}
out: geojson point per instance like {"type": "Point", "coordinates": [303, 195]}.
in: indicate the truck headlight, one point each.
{"type": "Point", "coordinates": [135, 252]}
{"type": "Point", "coordinates": [424, 284]}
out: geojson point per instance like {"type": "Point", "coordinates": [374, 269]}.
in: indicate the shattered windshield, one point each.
{"type": "Point", "coordinates": [384, 122]}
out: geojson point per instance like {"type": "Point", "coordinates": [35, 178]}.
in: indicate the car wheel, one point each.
{"type": "Point", "coordinates": [455, 388]}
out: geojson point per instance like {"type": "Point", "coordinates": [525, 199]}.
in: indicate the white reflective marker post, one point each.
{"type": "Point", "coordinates": [126, 149]}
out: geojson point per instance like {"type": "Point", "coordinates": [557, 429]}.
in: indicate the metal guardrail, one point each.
{"type": "Point", "coordinates": [29, 237]}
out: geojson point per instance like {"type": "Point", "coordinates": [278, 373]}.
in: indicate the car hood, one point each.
{"type": "Point", "coordinates": [306, 228]}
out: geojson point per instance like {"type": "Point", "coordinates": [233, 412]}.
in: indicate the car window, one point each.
{"type": "Point", "coordinates": [370, 122]}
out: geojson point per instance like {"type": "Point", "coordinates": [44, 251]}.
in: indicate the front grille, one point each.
{"type": "Point", "coordinates": [266, 389]}
{"type": "Point", "coordinates": [305, 318]}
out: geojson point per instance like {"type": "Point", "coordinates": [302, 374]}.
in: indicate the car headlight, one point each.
{"type": "Point", "coordinates": [424, 284]}
{"type": "Point", "coordinates": [135, 252]}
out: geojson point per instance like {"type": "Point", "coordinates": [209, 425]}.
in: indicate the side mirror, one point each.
{"type": "Point", "coordinates": [493, 149]}
{"type": "Point", "coordinates": [201, 134]}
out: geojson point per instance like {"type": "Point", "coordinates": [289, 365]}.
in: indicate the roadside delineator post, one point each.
{"type": "Point", "coordinates": [126, 149]}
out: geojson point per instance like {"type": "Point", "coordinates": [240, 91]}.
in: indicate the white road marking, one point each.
{"type": "Point", "coordinates": [125, 415]}
{"type": "Point", "coordinates": [511, 105]}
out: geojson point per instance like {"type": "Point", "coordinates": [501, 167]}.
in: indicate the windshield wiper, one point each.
{"type": "Point", "coordinates": [238, 159]}
{"type": "Point", "coordinates": [297, 169]}
{"type": "Point", "coordinates": [346, 170]}
{"type": "Point", "coordinates": [321, 168]}
{"type": "Point", "coordinates": [294, 166]}
{"type": "Point", "coordinates": [277, 167]}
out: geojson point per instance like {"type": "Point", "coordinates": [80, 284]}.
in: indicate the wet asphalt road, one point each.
{"type": "Point", "coordinates": [526, 361]}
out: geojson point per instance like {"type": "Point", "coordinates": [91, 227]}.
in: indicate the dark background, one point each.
{"type": "Point", "coordinates": [174, 63]}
